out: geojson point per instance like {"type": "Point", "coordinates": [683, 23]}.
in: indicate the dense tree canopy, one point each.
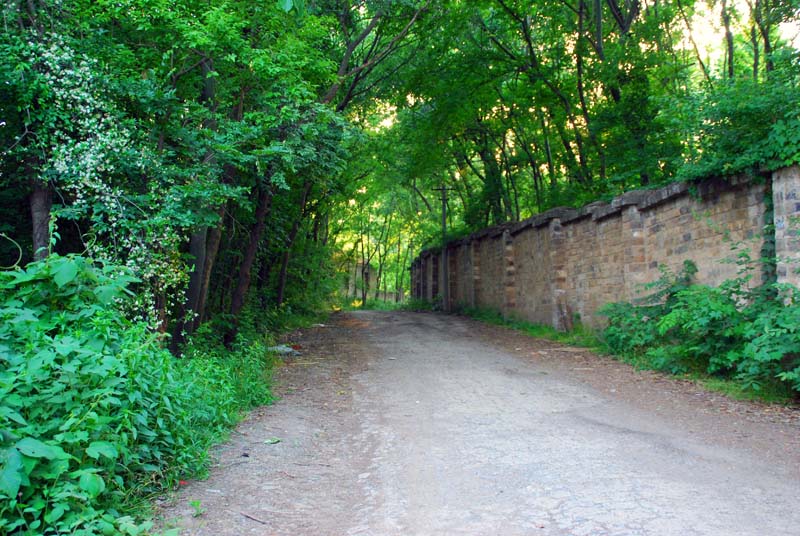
{"type": "Point", "coordinates": [238, 154]}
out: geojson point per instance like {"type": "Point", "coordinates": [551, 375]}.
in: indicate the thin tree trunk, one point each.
{"type": "Point", "coordinates": [756, 50]}
{"type": "Point", "coordinates": [364, 286]}
{"type": "Point", "coordinates": [379, 280]}
{"type": "Point", "coordinates": [726, 22]}
{"type": "Point", "coordinates": [548, 151]}
{"type": "Point", "coordinates": [185, 326]}
{"type": "Point", "coordinates": [282, 276]}
{"type": "Point", "coordinates": [41, 201]}
{"type": "Point", "coordinates": [364, 273]}
{"type": "Point", "coordinates": [243, 283]}
{"type": "Point", "coordinates": [582, 90]}
{"type": "Point", "coordinates": [493, 180]}
{"type": "Point", "coordinates": [213, 241]}
{"type": "Point", "coordinates": [697, 54]}
{"type": "Point", "coordinates": [769, 63]}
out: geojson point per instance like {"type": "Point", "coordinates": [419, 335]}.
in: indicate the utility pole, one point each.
{"type": "Point", "coordinates": [444, 265]}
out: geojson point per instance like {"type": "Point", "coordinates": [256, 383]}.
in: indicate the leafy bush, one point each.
{"type": "Point", "coordinates": [773, 344]}
{"type": "Point", "coordinates": [418, 304]}
{"type": "Point", "coordinates": [93, 412]}
{"type": "Point", "coordinates": [704, 327]}
{"type": "Point", "coordinates": [732, 331]}
{"type": "Point", "coordinates": [632, 328]}
{"type": "Point", "coordinates": [743, 126]}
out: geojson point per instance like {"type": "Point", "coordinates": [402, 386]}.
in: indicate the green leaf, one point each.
{"type": "Point", "coordinates": [33, 448]}
{"type": "Point", "coordinates": [66, 272]}
{"type": "Point", "coordinates": [54, 469]}
{"type": "Point", "coordinates": [92, 484]}
{"type": "Point", "coordinates": [102, 448]}
{"type": "Point", "coordinates": [54, 514]}
{"type": "Point", "coordinates": [107, 293]}
{"type": "Point", "coordinates": [286, 5]}
{"type": "Point", "coordinates": [12, 415]}
{"type": "Point", "coordinates": [11, 473]}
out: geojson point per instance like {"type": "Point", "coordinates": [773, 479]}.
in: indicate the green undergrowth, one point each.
{"type": "Point", "coordinates": [420, 305]}
{"type": "Point", "coordinates": [737, 338]}
{"type": "Point", "coordinates": [355, 304]}
{"type": "Point", "coordinates": [579, 336]}
{"type": "Point", "coordinates": [95, 415]}
{"type": "Point", "coordinates": [381, 305]}
{"type": "Point", "coordinates": [771, 394]}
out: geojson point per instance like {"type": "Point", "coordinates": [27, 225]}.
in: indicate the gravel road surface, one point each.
{"type": "Point", "coordinates": [396, 423]}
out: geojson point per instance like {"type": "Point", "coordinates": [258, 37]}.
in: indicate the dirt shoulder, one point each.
{"type": "Point", "coordinates": [284, 464]}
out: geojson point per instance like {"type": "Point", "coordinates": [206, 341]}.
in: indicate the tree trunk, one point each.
{"type": "Point", "coordinates": [726, 22]}
{"type": "Point", "coordinates": [769, 63]}
{"type": "Point", "coordinates": [760, 14]}
{"type": "Point", "coordinates": [198, 246]}
{"type": "Point", "coordinates": [364, 285]}
{"type": "Point", "coordinates": [243, 283]}
{"type": "Point", "coordinates": [41, 201]}
{"type": "Point", "coordinates": [579, 52]}
{"type": "Point", "coordinates": [282, 277]}
{"type": "Point", "coordinates": [756, 49]}
{"type": "Point", "coordinates": [493, 187]}
{"type": "Point", "coordinates": [212, 248]}
{"type": "Point", "coordinates": [379, 279]}
{"type": "Point", "coordinates": [551, 170]}
{"type": "Point", "coordinates": [185, 326]}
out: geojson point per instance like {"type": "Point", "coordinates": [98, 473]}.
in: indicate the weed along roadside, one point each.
{"type": "Point", "coordinates": [97, 417]}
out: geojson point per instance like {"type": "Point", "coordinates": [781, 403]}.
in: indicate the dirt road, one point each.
{"type": "Point", "coordinates": [419, 424]}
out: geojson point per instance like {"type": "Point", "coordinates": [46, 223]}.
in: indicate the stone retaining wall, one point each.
{"type": "Point", "coordinates": [566, 263]}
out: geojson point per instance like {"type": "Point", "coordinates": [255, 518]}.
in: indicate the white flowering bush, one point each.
{"type": "Point", "coordinates": [132, 211]}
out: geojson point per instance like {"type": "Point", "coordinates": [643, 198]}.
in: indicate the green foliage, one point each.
{"type": "Point", "coordinates": [93, 412]}
{"type": "Point", "coordinates": [387, 305]}
{"type": "Point", "coordinates": [418, 304]}
{"type": "Point", "coordinates": [744, 126]}
{"type": "Point", "coordinates": [731, 331]}
{"type": "Point", "coordinates": [772, 347]}
{"type": "Point", "coordinates": [634, 327]}
{"type": "Point", "coordinates": [783, 143]}
{"type": "Point", "coordinates": [578, 336]}
{"type": "Point", "coordinates": [705, 325]}
{"type": "Point", "coordinates": [630, 328]}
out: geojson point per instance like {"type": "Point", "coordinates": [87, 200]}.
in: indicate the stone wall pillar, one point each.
{"type": "Point", "coordinates": [466, 274]}
{"type": "Point", "coordinates": [634, 258]}
{"type": "Point", "coordinates": [509, 275]}
{"type": "Point", "coordinates": [424, 276]}
{"type": "Point", "coordinates": [561, 313]}
{"type": "Point", "coordinates": [475, 254]}
{"type": "Point", "coordinates": [786, 199]}
{"type": "Point", "coordinates": [435, 271]}
{"type": "Point", "coordinates": [453, 277]}
{"type": "Point", "coordinates": [413, 279]}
